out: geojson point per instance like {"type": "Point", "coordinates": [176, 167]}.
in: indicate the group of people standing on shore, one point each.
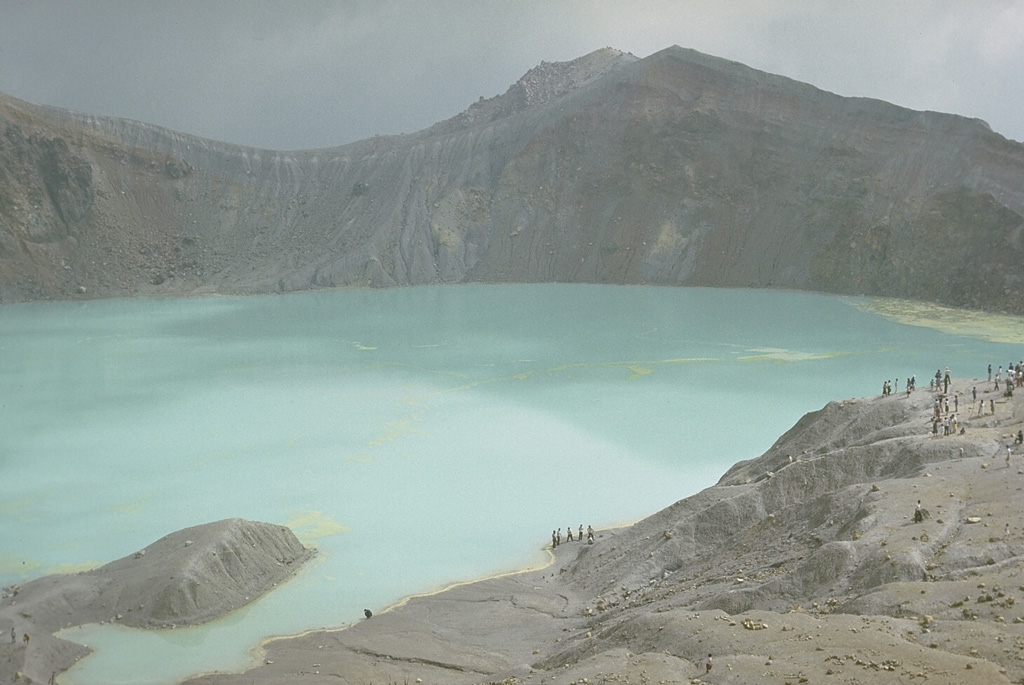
{"type": "Point", "coordinates": [944, 421]}
{"type": "Point", "coordinates": [950, 424]}
{"type": "Point", "coordinates": [941, 381]}
{"type": "Point", "coordinates": [556, 536]}
{"type": "Point", "coordinates": [1014, 376]}
{"type": "Point", "coordinates": [889, 386]}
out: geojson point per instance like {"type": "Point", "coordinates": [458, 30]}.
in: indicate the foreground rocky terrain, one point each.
{"type": "Point", "coordinates": [188, 577]}
{"type": "Point", "coordinates": [803, 565]}
{"type": "Point", "coordinates": [675, 169]}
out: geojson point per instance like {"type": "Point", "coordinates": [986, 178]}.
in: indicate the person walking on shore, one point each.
{"type": "Point", "coordinates": [707, 665]}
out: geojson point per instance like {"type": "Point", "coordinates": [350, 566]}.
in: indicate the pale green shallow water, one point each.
{"type": "Point", "coordinates": [416, 436]}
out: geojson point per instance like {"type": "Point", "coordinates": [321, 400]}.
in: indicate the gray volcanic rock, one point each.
{"type": "Point", "coordinates": [802, 570]}
{"type": "Point", "coordinates": [68, 181]}
{"type": "Point", "coordinates": [192, 576]}
{"type": "Point", "coordinates": [675, 169]}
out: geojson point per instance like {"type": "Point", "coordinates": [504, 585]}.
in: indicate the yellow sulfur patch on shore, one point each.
{"type": "Point", "coordinates": [999, 328]}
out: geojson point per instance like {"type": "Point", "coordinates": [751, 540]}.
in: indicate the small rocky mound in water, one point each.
{"type": "Point", "coordinates": [188, 577]}
{"type": "Point", "coordinates": [197, 574]}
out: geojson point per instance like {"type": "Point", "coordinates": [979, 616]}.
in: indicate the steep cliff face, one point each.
{"type": "Point", "coordinates": [677, 169]}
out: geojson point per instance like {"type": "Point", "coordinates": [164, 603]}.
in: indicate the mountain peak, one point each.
{"type": "Point", "coordinates": [545, 82]}
{"type": "Point", "coordinates": [549, 80]}
{"type": "Point", "coordinates": [677, 169]}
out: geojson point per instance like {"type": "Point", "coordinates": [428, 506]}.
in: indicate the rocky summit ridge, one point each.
{"type": "Point", "coordinates": [675, 169]}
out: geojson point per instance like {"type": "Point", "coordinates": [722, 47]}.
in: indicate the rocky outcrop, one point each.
{"type": "Point", "coordinates": [45, 190]}
{"type": "Point", "coordinates": [823, 524]}
{"type": "Point", "coordinates": [676, 169]}
{"type": "Point", "coordinates": [68, 181]}
{"type": "Point", "coordinates": [188, 577]}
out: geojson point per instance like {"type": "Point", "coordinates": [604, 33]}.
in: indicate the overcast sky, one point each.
{"type": "Point", "coordinates": [298, 74]}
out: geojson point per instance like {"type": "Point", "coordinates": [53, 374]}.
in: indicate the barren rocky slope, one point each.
{"type": "Point", "coordinates": [802, 570]}
{"type": "Point", "coordinates": [676, 169]}
{"type": "Point", "coordinates": [188, 577]}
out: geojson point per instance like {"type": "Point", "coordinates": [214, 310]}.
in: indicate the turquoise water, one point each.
{"type": "Point", "coordinates": [415, 436]}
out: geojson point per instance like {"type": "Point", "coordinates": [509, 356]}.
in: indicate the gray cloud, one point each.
{"type": "Point", "coordinates": [313, 74]}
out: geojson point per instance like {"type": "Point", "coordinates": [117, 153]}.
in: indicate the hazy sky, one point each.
{"type": "Point", "coordinates": [297, 74]}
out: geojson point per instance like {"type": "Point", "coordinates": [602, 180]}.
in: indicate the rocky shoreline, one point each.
{"type": "Point", "coordinates": [804, 565]}
{"type": "Point", "coordinates": [801, 566]}
{"type": "Point", "coordinates": [189, 577]}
